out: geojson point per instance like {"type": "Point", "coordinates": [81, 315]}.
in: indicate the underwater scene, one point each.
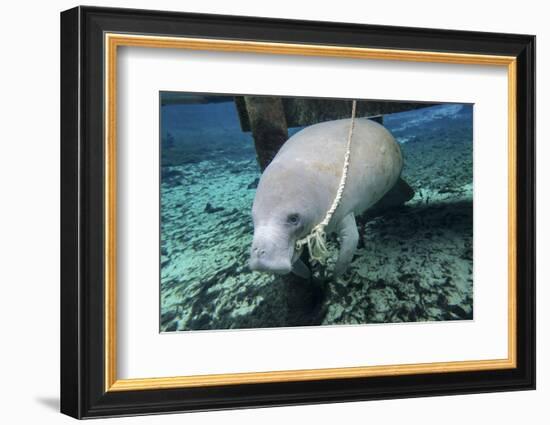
{"type": "Point", "coordinates": [236, 198]}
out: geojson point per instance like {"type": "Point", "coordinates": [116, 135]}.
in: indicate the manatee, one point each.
{"type": "Point", "coordinates": [298, 187]}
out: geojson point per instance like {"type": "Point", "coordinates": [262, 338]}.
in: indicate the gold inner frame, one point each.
{"type": "Point", "coordinates": [113, 41]}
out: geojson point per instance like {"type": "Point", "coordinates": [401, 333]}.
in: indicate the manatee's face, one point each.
{"type": "Point", "coordinates": [281, 217]}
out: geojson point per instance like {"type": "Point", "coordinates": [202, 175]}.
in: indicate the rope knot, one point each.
{"type": "Point", "coordinates": [316, 244]}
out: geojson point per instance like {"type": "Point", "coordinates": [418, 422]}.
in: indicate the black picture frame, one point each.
{"type": "Point", "coordinates": [83, 392]}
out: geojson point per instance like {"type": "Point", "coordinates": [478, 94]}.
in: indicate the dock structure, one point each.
{"type": "Point", "coordinates": [269, 117]}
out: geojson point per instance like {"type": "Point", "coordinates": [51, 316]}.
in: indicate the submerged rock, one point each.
{"type": "Point", "coordinates": [210, 209]}
{"type": "Point", "coordinates": [254, 184]}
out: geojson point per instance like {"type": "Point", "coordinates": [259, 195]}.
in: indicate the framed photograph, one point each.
{"type": "Point", "coordinates": [261, 212]}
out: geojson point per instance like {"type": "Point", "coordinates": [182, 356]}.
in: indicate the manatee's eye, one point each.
{"type": "Point", "coordinates": [293, 219]}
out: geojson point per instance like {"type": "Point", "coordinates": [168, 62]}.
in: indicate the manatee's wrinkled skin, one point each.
{"type": "Point", "coordinates": [298, 187]}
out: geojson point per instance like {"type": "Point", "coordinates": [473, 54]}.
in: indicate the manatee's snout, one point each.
{"type": "Point", "coordinates": [269, 256]}
{"type": "Point", "coordinates": [262, 261]}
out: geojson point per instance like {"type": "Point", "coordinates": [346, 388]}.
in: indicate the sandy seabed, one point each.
{"type": "Point", "coordinates": [414, 262]}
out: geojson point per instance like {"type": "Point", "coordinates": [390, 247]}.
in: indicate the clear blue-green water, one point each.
{"type": "Point", "coordinates": [414, 262]}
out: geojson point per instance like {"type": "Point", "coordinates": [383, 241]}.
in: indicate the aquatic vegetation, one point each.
{"type": "Point", "coordinates": [413, 263]}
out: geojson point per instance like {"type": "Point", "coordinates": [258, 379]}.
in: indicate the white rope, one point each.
{"type": "Point", "coordinates": [316, 240]}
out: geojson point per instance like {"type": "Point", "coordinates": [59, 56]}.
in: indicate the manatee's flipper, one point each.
{"type": "Point", "coordinates": [398, 195]}
{"type": "Point", "coordinates": [300, 269]}
{"type": "Point", "coordinates": [349, 237]}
